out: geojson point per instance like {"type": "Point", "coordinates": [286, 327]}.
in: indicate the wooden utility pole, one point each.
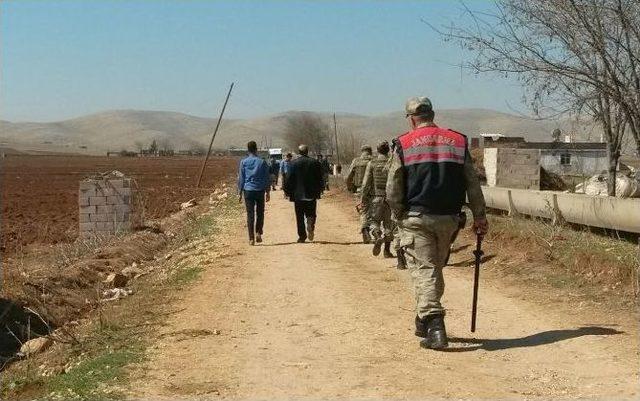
{"type": "Point", "coordinates": [215, 131]}
{"type": "Point", "coordinates": [335, 134]}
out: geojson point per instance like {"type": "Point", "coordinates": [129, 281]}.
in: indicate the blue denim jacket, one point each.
{"type": "Point", "coordinates": [253, 174]}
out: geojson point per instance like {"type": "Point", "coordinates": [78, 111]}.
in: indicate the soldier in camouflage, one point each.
{"type": "Point", "coordinates": [397, 223]}
{"type": "Point", "coordinates": [430, 175]}
{"type": "Point", "coordinates": [374, 194]}
{"type": "Point", "coordinates": [354, 184]}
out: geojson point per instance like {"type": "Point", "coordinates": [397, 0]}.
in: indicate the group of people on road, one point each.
{"type": "Point", "coordinates": [411, 193]}
{"type": "Point", "coordinates": [304, 179]}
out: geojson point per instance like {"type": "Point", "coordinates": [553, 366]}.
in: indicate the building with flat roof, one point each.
{"type": "Point", "coordinates": [562, 158]}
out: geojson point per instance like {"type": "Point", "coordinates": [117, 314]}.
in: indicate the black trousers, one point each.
{"type": "Point", "coordinates": [254, 202]}
{"type": "Point", "coordinates": [305, 209]}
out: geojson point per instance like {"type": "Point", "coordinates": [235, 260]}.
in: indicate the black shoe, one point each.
{"type": "Point", "coordinates": [258, 237]}
{"type": "Point", "coordinates": [387, 250]}
{"type": "Point", "coordinates": [436, 333]}
{"type": "Point", "coordinates": [301, 240]}
{"type": "Point", "coordinates": [377, 246]}
{"type": "Point", "coordinates": [310, 235]}
{"type": "Point", "coordinates": [366, 237]}
{"type": "Point", "coordinates": [402, 261]}
{"type": "Point", "coordinates": [421, 328]}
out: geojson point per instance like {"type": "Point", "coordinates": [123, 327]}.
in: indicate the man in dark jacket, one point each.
{"type": "Point", "coordinates": [303, 186]}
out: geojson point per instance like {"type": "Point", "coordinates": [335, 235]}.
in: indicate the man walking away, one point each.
{"type": "Point", "coordinates": [354, 184]}
{"type": "Point", "coordinates": [254, 183]}
{"type": "Point", "coordinates": [374, 193]}
{"type": "Point", "coordinates": [326, 170]}
{"type": "Point", "coordinates": [284, 168]}
{"type": "Point", "coordinates": [274, 170]}
{"type": "Point", "coordinates": [430, 174]}
{"type": "Point", "coordinates": [303, 187]}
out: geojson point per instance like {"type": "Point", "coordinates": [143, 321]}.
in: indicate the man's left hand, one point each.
{"type": "Point", "coordinates": [267, 196]}
{"type": "Point", "coordinates": [480, 226]}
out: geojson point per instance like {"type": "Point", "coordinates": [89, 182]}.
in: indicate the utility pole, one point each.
{"type": "Point", "coordinates": [335, 134]}
{"type": "Point", "coordinates": [215, 131]}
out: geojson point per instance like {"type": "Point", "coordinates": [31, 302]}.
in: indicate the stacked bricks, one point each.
{"type": "Point", "coordinates": [512, 168]}
{"type": "Point", "coordinates": [105, 206]}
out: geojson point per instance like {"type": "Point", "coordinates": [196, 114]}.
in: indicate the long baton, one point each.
{"type": "Point", "coordinates": [476, 276]}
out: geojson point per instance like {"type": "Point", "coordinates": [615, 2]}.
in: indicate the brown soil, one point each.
{"type": "Point", "coordinates": [39, 216]}
{"type": "Point", "coordinates": [328, 320]}
{"type": "Point", "coordinates": [39, 193]}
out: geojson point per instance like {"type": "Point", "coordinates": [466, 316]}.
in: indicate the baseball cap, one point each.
{"type": "Point", "coordinates": [416, 106]}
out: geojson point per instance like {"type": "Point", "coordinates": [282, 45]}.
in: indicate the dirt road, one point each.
{"type": "Point", "coordinates": [327, 320]}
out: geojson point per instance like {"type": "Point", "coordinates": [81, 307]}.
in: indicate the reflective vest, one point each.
{"type": "Point", "coordinates": [433, 162]}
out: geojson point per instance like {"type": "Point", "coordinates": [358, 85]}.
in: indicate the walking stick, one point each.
{"type": "Point", "coordinates": [476, 276]}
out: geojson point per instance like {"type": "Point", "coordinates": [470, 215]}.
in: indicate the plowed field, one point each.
{"type": "Point", "coordinates": [40, 193]}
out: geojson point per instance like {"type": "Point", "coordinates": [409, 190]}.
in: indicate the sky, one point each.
{"type": "Point", "coordinates": [63, 59]}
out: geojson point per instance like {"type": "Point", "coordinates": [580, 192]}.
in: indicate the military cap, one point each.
{"type": "Point", "coordinates": [416, 106]}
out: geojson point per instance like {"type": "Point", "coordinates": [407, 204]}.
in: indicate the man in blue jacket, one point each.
{"type": "Point", "coordinates": [274, 170]}
{"type": "Point", "coordinates": [254, 182]}
{"type": "Point", "coordinates": [284, 168]}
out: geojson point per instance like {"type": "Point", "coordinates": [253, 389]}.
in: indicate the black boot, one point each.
{"type": "Point", "coordinates": [366, 237]}
{"type": "Point", "coordinates": [377, 245]}
{"type": "Point", "coordinates": [421, 328]}
{"type": "Point", "coordinates": [387, 250]}
{"type": "Point", "coordinates": [402, 261]}
{"type": "Point", "coordinates": [436, 333]}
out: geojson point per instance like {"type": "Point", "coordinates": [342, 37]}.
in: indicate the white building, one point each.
{"type": "Point", "coordinates": [563, 158]}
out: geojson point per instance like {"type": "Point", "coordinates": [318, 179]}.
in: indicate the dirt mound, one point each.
{"type": "Point", "coordinates": [551, 182]}
{"type": "Point", "coordinates": [66, 294]}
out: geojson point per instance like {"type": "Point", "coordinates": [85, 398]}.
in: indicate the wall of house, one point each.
{"type": "Point", "coordinates": [582, 162]}
{"type": "Point", "coordinates": [512, 168]}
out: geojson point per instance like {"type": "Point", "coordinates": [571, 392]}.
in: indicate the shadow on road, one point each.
{"type": "Point", "coordinates": [471, 262]}
{"type": "Point", "coordinates": [460, 248]}
{"type": "Point", "coordinates": [314, 242]}
{"type": "Point", "coordinates": [542, 338]}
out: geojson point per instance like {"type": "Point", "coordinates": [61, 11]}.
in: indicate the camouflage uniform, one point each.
{"type": "Point", "coordinates": [374, 193]}
{"type": "Point", "coordinates": [354, 184]}
{"type": "Point", "coordinates": [426, 236]}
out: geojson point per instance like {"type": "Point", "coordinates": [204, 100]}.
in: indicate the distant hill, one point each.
{"type": "Point", "coordinates": [128, 129]}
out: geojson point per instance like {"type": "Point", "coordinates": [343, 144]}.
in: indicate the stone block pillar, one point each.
{"type": "Point", "coordinates": [105, 205]}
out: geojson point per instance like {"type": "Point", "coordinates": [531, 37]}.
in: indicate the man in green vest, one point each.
{"type": "Point", "coordinates": [374, 194]}
{"type": "Point", "coordinates": [354, 184]}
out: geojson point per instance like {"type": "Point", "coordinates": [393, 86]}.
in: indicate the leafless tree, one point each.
{"type": "Point", "coordinates": [350, 144]}
{"type": "Point", "coordinates": [139, 146]}
{"type": "Point", "coordinates": [165, 144]}
{"type": "Point", "coordinates": [153, 147]}
{"type": "Point", "coordinates": [307, 128]}
{"type": "Point", "coordinates": [580, 57]}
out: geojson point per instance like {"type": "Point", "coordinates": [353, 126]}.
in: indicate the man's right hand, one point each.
{"type": "Point", "coordinates": [480, 226]}
{"type": "Point", "coordinates": [240, 197]}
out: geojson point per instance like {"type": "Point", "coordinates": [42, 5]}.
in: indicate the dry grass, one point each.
{"type": "Point", "coordinates": [114, 335]}
{"type": "Point", "coordinates": [566, 257]}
